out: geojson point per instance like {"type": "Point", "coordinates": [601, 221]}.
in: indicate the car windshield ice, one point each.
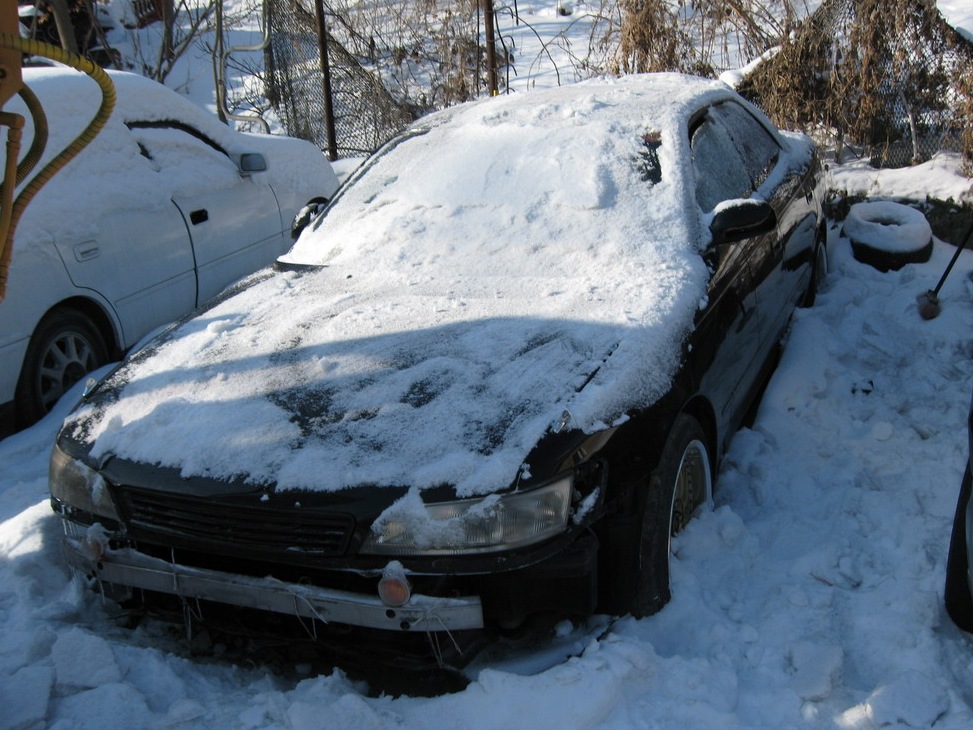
{"type": "Point", "coordinates": [507, 183]}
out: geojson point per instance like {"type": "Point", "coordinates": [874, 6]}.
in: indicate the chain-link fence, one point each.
{"type": "Point", "coordinates": [365, 114]}
{"type": "Point", "coordinates": [887, 78]}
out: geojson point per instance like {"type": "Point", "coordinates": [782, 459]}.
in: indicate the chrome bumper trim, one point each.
{"type": "Point", "coordinates": [128, 567]}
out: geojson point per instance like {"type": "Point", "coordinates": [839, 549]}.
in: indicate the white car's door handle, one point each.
{"type": "Point", "coordinates": [86, 251]}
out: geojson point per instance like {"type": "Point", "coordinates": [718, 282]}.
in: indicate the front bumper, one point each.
{"type": "Point", "coordinates": [127, 567]}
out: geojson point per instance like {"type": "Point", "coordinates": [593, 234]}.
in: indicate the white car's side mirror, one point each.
{"type": "Point", "coordinates": [252, 162]}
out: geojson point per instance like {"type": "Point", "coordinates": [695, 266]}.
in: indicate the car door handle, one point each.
{"type": "Point", "coordinates": [86, 251]}
{"type": "Point", "coordinates": [199, 216]}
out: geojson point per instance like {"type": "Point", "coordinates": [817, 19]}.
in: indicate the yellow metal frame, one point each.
{"type": "Point", "coordinates": [12, 47]}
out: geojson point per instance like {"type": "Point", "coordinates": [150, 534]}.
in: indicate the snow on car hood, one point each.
{"type": "Point", "coordinates": [509, 264]}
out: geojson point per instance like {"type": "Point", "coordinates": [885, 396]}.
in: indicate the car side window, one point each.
{"type": "Point", "coordinates": [176, 149]}
{"type": "Point", "coordinates": [720, 171]}
{"type": "Point", "coordinates": [757, 146]}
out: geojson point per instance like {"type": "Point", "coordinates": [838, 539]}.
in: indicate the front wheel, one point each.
{"type": "Point", "coordinates": [681, 482]}
{"type": "Point", "coordinates": [64, 348]}
{"type": "Point", "coordinates": [307, 214]}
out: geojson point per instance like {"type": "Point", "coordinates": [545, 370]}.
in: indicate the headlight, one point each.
{"type": "Point", "coordinates": [78, 486]}
{"type": "Point", "coordinates": [488, 524]}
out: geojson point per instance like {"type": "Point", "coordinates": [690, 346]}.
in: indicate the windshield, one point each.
{"type": "Point", "coordinates": [494, 190]}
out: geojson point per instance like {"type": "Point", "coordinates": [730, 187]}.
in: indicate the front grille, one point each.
{"type": "Point", "coordinates": [234, 525]}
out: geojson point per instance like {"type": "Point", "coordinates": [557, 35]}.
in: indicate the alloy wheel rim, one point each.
{"type": "Point", "coordinates": [692, 485]}
{"type": "Point", "coordinates": [69, 358]}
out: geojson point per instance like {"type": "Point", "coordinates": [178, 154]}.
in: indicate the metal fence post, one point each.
{"type": "Point", "coordinates": [326, 80]}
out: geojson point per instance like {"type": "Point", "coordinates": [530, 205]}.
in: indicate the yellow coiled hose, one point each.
{"type": "Point", "coordinates": [10, 214]}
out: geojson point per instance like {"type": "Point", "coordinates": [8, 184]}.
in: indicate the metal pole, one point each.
{"type": "Point", "coordinates": [491, 46]}
{"type": "Point", "coordinates": [218, 66]}
{"type": "Point", "coordinates": [168, 20]}
{"type": "Point", "coordinates": [65, 28]}
{"type": "Point", "coordinates": [326, 80]}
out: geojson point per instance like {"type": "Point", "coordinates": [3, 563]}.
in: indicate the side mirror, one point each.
{"type": "Point", "coordinates": [252, 162]}
{"type": "Point", "coordinates": [736, 220]}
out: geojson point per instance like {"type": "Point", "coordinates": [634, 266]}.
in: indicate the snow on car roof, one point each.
{"type": "Point", "coordinates": [513, 262]}
{"type": "Point", "coordinates": [110, 173]}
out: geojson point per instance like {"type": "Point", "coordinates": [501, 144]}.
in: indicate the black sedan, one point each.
{"type": "Point", "coordinates": [488, 383]}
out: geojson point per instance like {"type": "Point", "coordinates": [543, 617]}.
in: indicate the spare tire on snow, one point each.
{"type": "Point", "coordinates": [888, 235]}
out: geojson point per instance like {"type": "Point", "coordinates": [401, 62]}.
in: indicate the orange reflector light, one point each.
{"type": "Point", "coordinates": [92, 547]}
{"type": "Point", "coordinates": [394, 591]}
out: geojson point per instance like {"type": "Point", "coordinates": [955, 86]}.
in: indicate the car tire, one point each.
{"type": "Point", "coordinates": [887, 235]}
{"type": "Point", "coordinates": [65, 346]}
{"type": "Point", "coordinates": [959, 602]}
{"type": "Point", "coordinates": [680, 483]}
{"type": "Point", "coordinates": [305, 215]}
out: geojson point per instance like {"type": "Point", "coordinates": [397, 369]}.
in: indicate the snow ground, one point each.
{"type": "Point", "coordinates": [809, 596]}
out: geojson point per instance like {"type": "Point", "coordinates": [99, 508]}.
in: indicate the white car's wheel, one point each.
{"type": "Point", "coordinates": [64, 348]}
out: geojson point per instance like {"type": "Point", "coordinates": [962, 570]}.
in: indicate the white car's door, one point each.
{"type": "Point", "coordinates": [141, 261]}
{"type": "Point", "coordinates": [233, 220]}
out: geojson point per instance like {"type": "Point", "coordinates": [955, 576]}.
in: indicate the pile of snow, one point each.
{"type": "Point", "coordinates": [940, 178]}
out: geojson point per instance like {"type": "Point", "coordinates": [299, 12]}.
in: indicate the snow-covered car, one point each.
{"type": "Point", "coordinates": [959, 576]}
{"type": "Point", "coordinates": [163, 210]}
{"type": "Point", "coordinates": [487, 384]}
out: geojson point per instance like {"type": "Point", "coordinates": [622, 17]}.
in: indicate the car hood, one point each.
{"type": "Point", "coordinates": [297, 383]}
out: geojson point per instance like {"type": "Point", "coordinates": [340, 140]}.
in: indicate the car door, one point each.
{"type": "Point", "coordinates": [782, 267]}
{"type": "Point", "coordinates": [727, 333]}
{"type": "Point", "coordinates": [233, 220]}
{"type": "Point", "coordinates": [139, 260]}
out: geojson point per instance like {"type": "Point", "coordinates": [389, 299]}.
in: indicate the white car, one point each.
{"type": "Point", "coordinates": [161, 212]}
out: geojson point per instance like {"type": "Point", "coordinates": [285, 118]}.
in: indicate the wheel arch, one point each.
{"type": "Point", "coordinates": [701, 409]}
{"type": "Point", "coordinates": [94, 311]}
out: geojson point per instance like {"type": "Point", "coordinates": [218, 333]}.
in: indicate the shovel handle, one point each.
{"type": "Point", "coordinates": [952, 261]}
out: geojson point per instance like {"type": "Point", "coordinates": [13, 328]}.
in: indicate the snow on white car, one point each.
{"type": "Point", "coordinates": [165, 208]}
